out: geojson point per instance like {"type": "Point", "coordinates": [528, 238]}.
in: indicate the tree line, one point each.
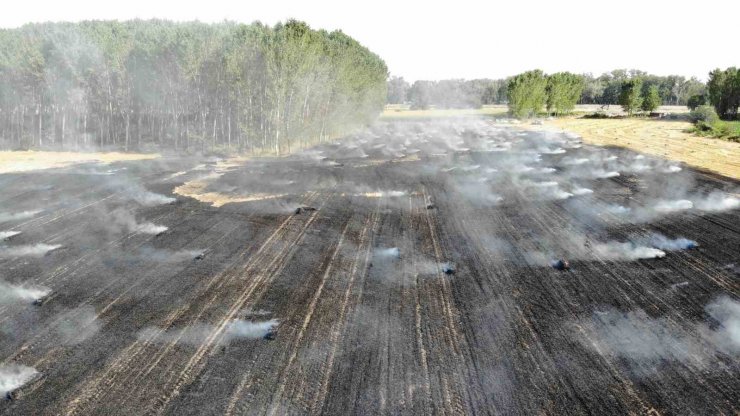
{"type": "Point", "coordinates": [606, 88]}
{"type": "Point", "coordinates": [449, 93]}
{"type": "Point", "coordinates": [183, 86]}
{"type": "Point", "coordinates": [603, 90]}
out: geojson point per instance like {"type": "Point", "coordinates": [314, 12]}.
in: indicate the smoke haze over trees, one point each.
{"type": "Point", "coordinates": [183, 86]}
{"type": "Point", "coordinates": [449, 93]}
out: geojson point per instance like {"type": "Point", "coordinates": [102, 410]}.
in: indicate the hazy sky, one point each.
{"type": "Point", "coordinates": [470, 39]}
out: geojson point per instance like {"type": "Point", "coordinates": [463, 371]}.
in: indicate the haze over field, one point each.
{"type": "Point", "coordinates": [386, 271]}
{"type": "Point", "coordinates": [235, 217]}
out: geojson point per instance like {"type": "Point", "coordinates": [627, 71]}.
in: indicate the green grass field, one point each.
{"type": "Point", "coordinates": [727, 130]}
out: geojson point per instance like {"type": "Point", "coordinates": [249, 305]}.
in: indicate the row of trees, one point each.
{"type": "Point", "coordinates": [722, 92]}
{"type": "Point", "coordinates": [183, 86]}
{"type": "Point", "coordinates": [528, 92]}
{"type": "Point", "coordinates": [604, 90]}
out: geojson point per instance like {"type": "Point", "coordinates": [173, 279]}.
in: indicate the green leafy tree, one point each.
{"type": "Point", "coordinates": [563, 92]}
{"type": "Point", "coordinates": [689, 88]}
{"type": "Point", "coordinates": [612, 82]}
{"type": "Point", "coordinates": [629, 97]}
{"type": "Point", "coordinates": [527, 93]}
{"type": "Point", "coordinates": [695, 101]}
{"type": "Point", "coordinates": [593, 90]}
{"type": "Point", "coordinates": [724, 91]}
{"type": "Point", "coordinates": [651, 99]}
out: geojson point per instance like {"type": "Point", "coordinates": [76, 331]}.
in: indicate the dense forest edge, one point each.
{"type": "Point", "coordinates": [187, 87]}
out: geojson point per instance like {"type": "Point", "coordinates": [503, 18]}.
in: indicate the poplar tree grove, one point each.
{"type": "Point", "coordinates": [188, 87]}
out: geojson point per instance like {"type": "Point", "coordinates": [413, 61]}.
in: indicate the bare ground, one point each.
{"type": "Point", "coordinates": [132, 327]}
{"type": "Point", "coordinates": [23, 161]}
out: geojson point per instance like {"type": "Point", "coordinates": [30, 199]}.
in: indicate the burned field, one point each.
{"type": "Point", "coordinates": [416, 268]}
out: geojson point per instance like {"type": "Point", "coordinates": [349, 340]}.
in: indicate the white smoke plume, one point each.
{"type": "Point", "coordinates": [664, 243]}
{"type": "Point", "coordinates": [626, 251]}
{"type": "Point", "coordinates": [9, 216]}
{"type": "Point", "coordinates": [37, 250]}
{"type": "Point", "coordinates": [726, 311]}
{"type": "Point", "coordinates": [14, 376]}
{"type": "Point", "coordinates": [637, 337]}
{"type": "Point", "coordinates": [199, 334]}
{"type": "Point", "coordinates": [173, 256]}
{"type": "Point", "coordinates": [718, 201]}
{"type": "Point", "coordinates": [4, 235]}
{"type": "Point", "coordinates": [77, 325]}
{"type": "Point", "coordinates": [581, 191]}
{"type": "Point", "coordinates": [125, 221]}
{"type": "Point", "coordinates": [576, 161]}
{"type": "Point", "coordinates": [149, 228]}
{"type": "Point", "coordinates": [16, 293]}
{"type": "Point", "coordinates": [638, 167]}
{"type": "Point", "coordinates": [133, 190]}
{"type": "Point", "coordinates": [556, 151]}
{"type": "Point", "coordinates": [557, 193]}
{"type": "Point", "coordinates": [149, 199]}
{"type": "Point", "coordinates": [382, 194]}
{"type": "Point", "coordinates": [243, 329]}
{"type": "Point", "coordinates": [617, 209]}
{"type": "Point", "coordinates": [604, 174]}
{"type": "Point", "coordinates": [669, 206]}
{"type": "Point", "coordinates": [651, 341]}
{"type": "Point", "coordinates": [392, 252]}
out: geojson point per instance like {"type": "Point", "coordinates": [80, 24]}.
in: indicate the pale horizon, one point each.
{"type": "Point", "coordinates": [469, 39]}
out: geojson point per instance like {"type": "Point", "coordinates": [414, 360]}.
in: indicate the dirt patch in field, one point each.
{"type": "Point", "coordinates": [667, 139]}
{"type": "Point", "coordinates": [24, 161]}
{"type": "Point", "coordinates": [197, 188]}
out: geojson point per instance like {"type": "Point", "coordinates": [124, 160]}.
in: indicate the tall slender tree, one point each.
{"type": "Point", "coordinates": [630, 96]}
